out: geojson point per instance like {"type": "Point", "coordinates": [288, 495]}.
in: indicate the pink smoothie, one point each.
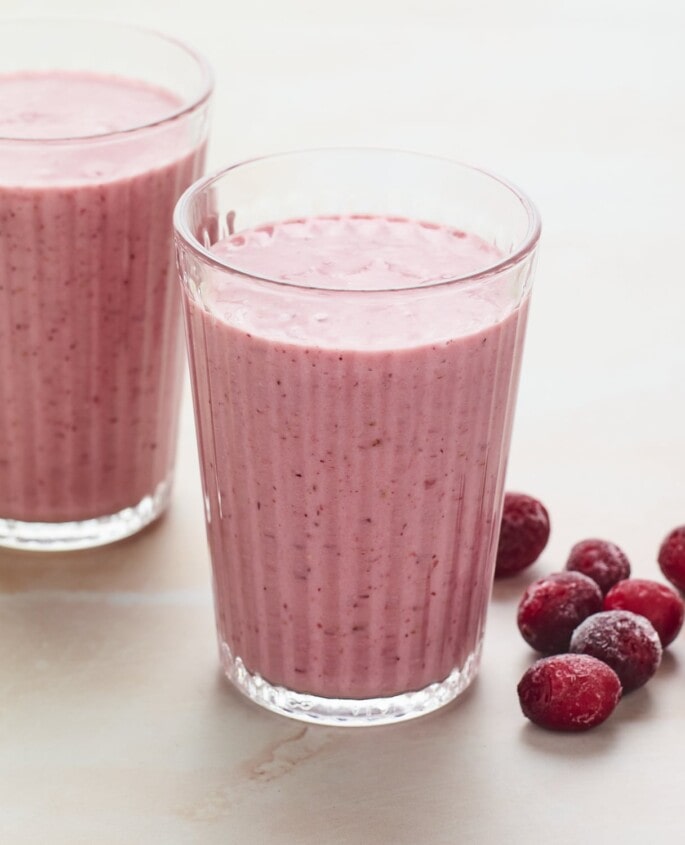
{"type": "Point", "coordinates": [353, 444]}
{"type": "Point", "coordinates": [89, 352]}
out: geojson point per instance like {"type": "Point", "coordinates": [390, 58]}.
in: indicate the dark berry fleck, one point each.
{"type": "Point", "coordinates": [552, 607]}
{"type": "Point", "coordinates": [600, 560]}
{"type": "Point", "coordinates": [623, 640]}
{"type": "Point", "coordinates": [569, 692]}
{"type": "Point", "coordinates": [672, 557]}
{"type": "Point", "coordinates": [524, 533]}
{"type": "Point", "coordinates": [660, 604]}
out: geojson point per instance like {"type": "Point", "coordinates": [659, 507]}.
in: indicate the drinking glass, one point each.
{"type": "Point", "coordinates": [353, 435]}
{"type": "Point", "coordinates": [90, 345]}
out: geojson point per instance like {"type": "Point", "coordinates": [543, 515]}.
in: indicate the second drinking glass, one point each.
{"type": "Point", "coordinates": [101, 129]}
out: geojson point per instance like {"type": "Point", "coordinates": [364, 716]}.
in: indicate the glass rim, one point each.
{"type": "Point", "coordinates": [207, 78]}
{"type": "Point", "coordinates": [518, 255]}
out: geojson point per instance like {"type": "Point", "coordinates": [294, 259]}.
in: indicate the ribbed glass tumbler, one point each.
{"type": "Point", "coordinates": [355, 320]}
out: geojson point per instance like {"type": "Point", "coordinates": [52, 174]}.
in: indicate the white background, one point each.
{"type": "Point", "coordinates": [127, 736]}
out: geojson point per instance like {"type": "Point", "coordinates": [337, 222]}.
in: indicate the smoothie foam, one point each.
{"type": "Point", "coordinates": [88, 309]}
{"type": "Point", "coordinates": [352, 445]}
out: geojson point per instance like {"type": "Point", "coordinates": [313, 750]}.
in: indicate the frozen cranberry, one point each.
{"type": "Point", "coordinates": [623, 640]}
{"type": "Point", "coordinates": [672, 557]}
{"type": "Point", "coordinates": [660, 604]}
{"type": "Point", "coordinates": [552, 607]}
{"type": "Point", "coordinates": [569, 692]}
{"type": "Point", "coordinates": [523, 535]}
{"type": "Point", "coordinates": [600, 560]}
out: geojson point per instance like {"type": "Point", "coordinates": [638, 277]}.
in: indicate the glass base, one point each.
{"type": "Point", "coordinates": [87, 533]}
{"type": "Point", "coordinates": [350, 712]}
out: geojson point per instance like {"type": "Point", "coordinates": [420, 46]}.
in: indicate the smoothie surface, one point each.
{"type": "Point", "coordinates": [67, 104]}
{"type": "Point", "coordinates": [356, 282]}
{"type": "Point", "coordinates": [357, 252]}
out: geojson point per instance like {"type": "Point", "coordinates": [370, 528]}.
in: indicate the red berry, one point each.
{"type": "Point", "coordinates": [569, 692]}
{"type": "Point", "coordinates": [600, 560]}
{"type": "Point", "coordinates": [552, 607]}
{"type": "Point", "coordinates": [523, 535]}
{"type": "Point", "coordinates": [660, 604]}
{"type": "Point", "coordinates": [623, 640]}
{"type": "Point", "coordinates": [672, 557]}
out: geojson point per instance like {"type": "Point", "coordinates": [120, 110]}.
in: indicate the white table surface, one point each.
{"type": "Point", "coordinates": [115, 725]}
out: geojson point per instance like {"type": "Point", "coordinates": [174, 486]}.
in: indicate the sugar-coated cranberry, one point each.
{"type": "Point", "coordinates": [600, 560]}
{"type": "Point", "coordinates": [660, 604]}
{"type": "Point", "coordinates": [623, 640]}
{"type": "Point", "coordinates": [552, 607]}
{"type": "Point", "coordinates": [569, 692]}
{"type": "Point", "coordinates": [524, 533]}
{"type": "Point", "coordinates": [672, 557]}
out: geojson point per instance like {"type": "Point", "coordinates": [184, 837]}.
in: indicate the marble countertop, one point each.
{"type": "Point", "coordinates": [116, 726]}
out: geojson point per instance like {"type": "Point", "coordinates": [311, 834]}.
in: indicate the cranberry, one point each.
{"type": "Point", "coordinates": [672, 557]}
{"type": "Point", "coordinates": [552, 607]}
{"type": "Point", "coordinates": [569, 692]}
{"type": "Point", "coordinates": [523, 535]}
{"type": "Point", "coordinates": [600, 560]}
{"type": "Point", "coordinates": [660, 604]}
{"type": "Point", "coordinates": [623, 640]}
